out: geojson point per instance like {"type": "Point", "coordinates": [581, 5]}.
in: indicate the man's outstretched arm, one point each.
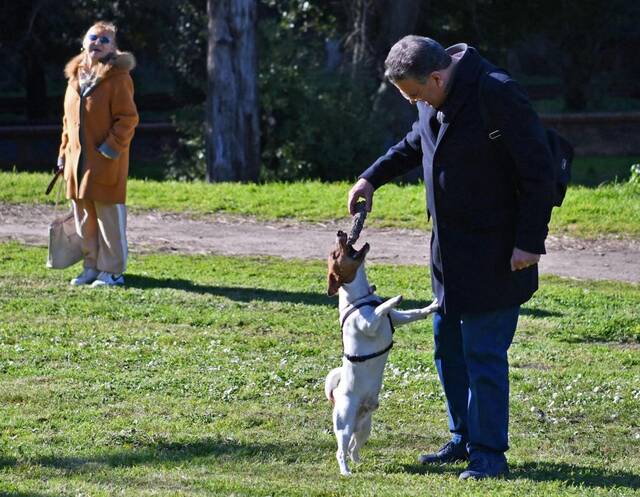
{"type": "Point", "coordinates": [399, 159]}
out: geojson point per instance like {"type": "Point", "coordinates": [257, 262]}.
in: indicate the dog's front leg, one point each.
{"type": "Point", "coordinates": [398, 318]}
{"type": "Point", "coordinates": [370, 317]}
{"type": "Point", "coordinates": [344, 420]}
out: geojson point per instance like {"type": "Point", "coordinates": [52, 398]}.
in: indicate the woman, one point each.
{"type": "Point", "coordinates": [98, 124]}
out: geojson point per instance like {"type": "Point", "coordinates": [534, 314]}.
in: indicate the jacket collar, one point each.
{"type": "Point", "coordinates": [463, 80]}
{"type": "Point", "coordinates": [117, 63]}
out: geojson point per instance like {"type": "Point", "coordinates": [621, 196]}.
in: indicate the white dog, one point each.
{"type": "Point", "coordinates": [367, 330]}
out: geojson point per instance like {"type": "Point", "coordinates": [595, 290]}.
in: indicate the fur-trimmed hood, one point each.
{"type": "Point", "coordinates": [118, 62]}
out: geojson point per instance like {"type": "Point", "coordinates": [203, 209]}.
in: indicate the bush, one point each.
{"type": "Point", "coordinates": [188, 161]}
{"type": "Point", "coordinates": [316, 125]}
{"type": "Point", "coordinates": [635, 174]}
{"type": "Point", "coordinates": [317, 122]}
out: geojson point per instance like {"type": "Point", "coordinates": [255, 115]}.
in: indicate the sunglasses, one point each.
{"type": "Point", "coordinates": [102, 39]}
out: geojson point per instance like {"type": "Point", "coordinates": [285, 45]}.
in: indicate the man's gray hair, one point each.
{"type": "Point", "coordinates": [415, 57]}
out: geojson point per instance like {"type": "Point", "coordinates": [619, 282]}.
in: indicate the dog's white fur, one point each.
{"type": "Point", "coordinates": [354, 387]}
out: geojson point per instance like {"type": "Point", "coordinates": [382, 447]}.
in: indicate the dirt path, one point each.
{"type": "Point", "coordinates": [609, 259]}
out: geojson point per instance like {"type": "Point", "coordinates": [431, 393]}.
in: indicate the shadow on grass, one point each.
{"type": "Point", "coordinates": [421, 469]}
{"type": "Point", "coordinates": [243, 294]}
{"type": "Point", "coordinates": [577, 476]}
{"type": "Point", "coordinates": [246, 294]}
{"type": "Point", "coordinates": [23, 494]}
{"type": "Point", "coordinates": [7, 461]}
{"type": "Point", "coordinates": [178, 452]}
{"type": "Point", "coordinates": [539, 313]}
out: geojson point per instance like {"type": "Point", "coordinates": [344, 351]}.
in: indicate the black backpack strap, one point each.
{"type": "Point", "coordinates": [561, 150]}
{"type": "Point", "coordinates": [493, 129]}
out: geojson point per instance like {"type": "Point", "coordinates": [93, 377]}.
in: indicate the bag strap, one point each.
{"type": "Point", "coordinates": [57, 202]}
{"type": "Point", "coordinates": [53, 180]}
{"type": "Point", "coordinates": [494, 132]}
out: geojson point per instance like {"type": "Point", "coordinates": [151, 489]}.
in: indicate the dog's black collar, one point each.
{"type": "Point", "coordinates": [363, 358]}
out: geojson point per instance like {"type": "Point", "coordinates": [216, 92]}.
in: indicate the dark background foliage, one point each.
{"type": "Point", "coordinates": [325, 111]}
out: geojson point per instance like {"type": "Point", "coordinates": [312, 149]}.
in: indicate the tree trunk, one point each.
{"type": "Point", "coordinates": [232, 127]}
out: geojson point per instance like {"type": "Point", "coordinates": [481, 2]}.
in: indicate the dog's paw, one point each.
{"type": "Point", "coordinates": [355, 456]}
{"type": "Point", "coordinates": [431, 308]}
{"type": "Point", "coordinates": [396, 300]}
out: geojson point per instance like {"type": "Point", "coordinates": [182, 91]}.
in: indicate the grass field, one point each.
{"type": "Point", "coordinates": [204, 377]}
{"type": "Point", "coordinates": [611, 209]}
{"type": "Point", "coordinates": [586, 170]}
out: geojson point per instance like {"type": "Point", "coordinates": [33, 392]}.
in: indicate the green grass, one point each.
{"type": "Point", "coordinates": [612, 209]}
{"type": "Point", "coordinates": [586, 171]}
{"type": "Point", "coordinates": [204, 376]}
{"type": "Point", "coordinates": [592, 212]}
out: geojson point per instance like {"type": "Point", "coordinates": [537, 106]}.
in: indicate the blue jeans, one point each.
{"type": "Point", "coordinates": [471, 359]}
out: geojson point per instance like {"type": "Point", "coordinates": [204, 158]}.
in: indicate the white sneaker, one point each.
{"type": "Point", "coordinates": [108, 279]}
{"type": "Point", "coordinates": [86, 277]}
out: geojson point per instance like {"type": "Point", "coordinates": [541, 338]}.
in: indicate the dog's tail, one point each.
{"type": "Point", "coordinates": [331, 383]}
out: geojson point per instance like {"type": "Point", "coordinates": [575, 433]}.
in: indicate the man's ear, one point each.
{"type": "Point", "coordinates": [437, 79]}
{"type": "Point", "coordinates": [332, 285]}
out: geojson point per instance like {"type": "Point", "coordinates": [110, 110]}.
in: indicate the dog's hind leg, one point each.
{"type": "Point", "coordinates": [344, 419]}
{"type": "Point", "coordinates": [360, 437]}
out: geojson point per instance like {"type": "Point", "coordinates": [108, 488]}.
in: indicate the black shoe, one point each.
{"type": "Point", "coordinates": [485, 465]}
{"type": "Point", "coordinates": [449, 453]}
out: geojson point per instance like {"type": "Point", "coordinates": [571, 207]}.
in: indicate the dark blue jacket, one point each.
{"type": "Point", "coordinates": [484, 196]}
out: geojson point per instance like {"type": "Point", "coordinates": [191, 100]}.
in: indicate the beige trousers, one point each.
{"type": "Point", "coordinates": [102, 229]}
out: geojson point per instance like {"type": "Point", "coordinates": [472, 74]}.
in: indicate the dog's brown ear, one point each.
{"type": "Point", "coordinates": [332, 285]}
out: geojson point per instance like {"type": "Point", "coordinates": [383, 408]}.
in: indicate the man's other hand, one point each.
{"type": "Point", "coordinates": [521, 259]}
{"type": "Point", "coordinates": [362, 189]}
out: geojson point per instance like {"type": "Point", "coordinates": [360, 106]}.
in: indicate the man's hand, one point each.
{"type": "Point", "coordinates": [521, 259]}
{"type": "Point", "coordinates": [362, 189]}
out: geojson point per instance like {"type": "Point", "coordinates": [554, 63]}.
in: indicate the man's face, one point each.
{"type": "Point", "coordinates": [432, 91]}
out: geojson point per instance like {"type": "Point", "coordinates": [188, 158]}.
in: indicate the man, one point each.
{"type": "Point", "coordinates": [489, 195]}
